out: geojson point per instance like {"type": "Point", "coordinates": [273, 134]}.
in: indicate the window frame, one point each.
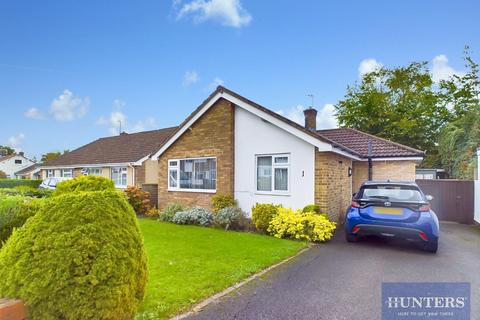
{"type": "Point", "coordinates": [286, 165]}
{"type": "Point", "coordinates": [62, 173]}
{"type": "Point", "coordinates": [121, 172]}
{"type": "Point", "coordinates": [18, 161]}
{"type": "Point", "coordinates": [49, 173]}
{"type": "Point", "coordinates": [87, 171]}
{"type": "Point", "coordinates": [177, 169]}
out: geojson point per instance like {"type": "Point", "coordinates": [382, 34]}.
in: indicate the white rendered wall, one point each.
{"type": "Point", "coordinates": [10, 167]}
{"type": "Point", "coordinates": [253, 136]}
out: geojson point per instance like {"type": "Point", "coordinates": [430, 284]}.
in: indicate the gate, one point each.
{"type": "Point", "coordinates": [453, 200]}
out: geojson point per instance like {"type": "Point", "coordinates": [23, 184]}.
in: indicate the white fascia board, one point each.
{"type": "Point", "coordinates": [346, 154]}
{"type": "Point", "coordinates": [141, 161]}
{"type": "Point", "coordinates": [395, 159]}
{"type": "Point", "coordinates": [124, 164]}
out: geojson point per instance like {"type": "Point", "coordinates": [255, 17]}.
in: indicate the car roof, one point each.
{"type": "Point", "coordinates": [390, 182]}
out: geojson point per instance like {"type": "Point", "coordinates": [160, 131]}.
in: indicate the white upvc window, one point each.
{"type": "Point", "coordinates": [119, 176]}
{"type": "Point", "coordinates": [92, 171]}
{"type": "Point", "coordinates": [49, 173]}
{"type": "Point", "coordinates": [193, 174]}
{"type": "Point", "coordinates": [273, 173]}
{"type": "Point", "coordinates": [66, 173]}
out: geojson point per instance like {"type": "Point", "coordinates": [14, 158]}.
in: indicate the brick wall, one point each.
{"type": "Point", "coordinates": [211, 135]}
{"type": "Point", "coordinates": [332, 184]}
{"type": "Point", "coordinates": [140, 175]}
{"type": "Point", "coordinates": [383, 170]}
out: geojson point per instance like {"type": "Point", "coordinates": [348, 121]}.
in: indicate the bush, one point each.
{"type": "Point", "coordinates": [138, 199]}
{"type": "Point", "coordinates": [152, 213]}
{"type": "Point", "coordinates": [14, 212]}
{"type": "Point", "coordinates": [220, 201]}
{"type": "Point", "coordinates": [314, 208]}
{"type": "Point", "coordinates": [84, 183]}
{"type": "Point", "coordinates": [302, 226]}
{"type": "Point", "coordinates": [262, 214]}
{"type": "Point", "coordinates": [169, 212]}
{"type": "Point", "coordinates": [197, 215]}
{"type": "Point", "coordinates": [12, 183]}
{"type": "Point", "coordinates": [229, 218]}
{"type": "Point", "coordinates": [80, 257]}
{"type": "Point", "coordinates": [25, 191]}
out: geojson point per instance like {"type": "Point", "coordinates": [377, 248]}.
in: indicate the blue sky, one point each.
{"type": "Point", "coordinates": [70, 69]}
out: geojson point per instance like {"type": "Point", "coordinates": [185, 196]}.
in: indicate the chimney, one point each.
{"type": "Point", "coordinates": [310, 119]}
{"type": "Point", "coordinates": [21, 153]}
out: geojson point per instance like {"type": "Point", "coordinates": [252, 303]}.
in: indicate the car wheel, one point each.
{"type": "Point", "coordinates": [351, 237]}
{"type": "Point", "coordinates": [431, 246]}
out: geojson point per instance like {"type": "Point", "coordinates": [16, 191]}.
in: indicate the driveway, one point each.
{"type": "Point", "coordinates": [340, 280]}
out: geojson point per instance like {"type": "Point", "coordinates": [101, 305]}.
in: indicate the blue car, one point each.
{"type": "Point", "coordinates": [392, 209]}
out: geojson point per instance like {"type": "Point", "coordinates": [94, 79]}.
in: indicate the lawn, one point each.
{"type": "Point", "coordinates": [189, 263]}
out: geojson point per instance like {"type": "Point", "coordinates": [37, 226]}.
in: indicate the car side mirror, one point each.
{"type": "Point", "coordinates": [429, 197]}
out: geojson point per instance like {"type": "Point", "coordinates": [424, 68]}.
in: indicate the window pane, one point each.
{"type": "Point", "coordinates": [198, 174]}
{"type": "Point", "coordinates": [281, 159]}
{"type": "Point", "coordinates": [173, 183]}
{"type": "Point", "coordinates": [264, 173]}
{"type": "Point", "coordinates": [281, 179]}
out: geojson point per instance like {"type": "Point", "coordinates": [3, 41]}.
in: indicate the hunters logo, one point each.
{"type": "Point", "coordinates": [430, 300]}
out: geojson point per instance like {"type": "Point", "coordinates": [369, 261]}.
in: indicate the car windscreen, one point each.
{"type": "Point", "coordinates": [391, 193]}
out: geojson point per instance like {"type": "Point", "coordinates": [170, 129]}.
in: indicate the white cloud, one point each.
{"type": "Point", "coordinates": [68, 107]}
{"type": "Point", "coordinates": [367, 66]}
{"type": "Point", "coordinates": [325, 117]}
{"type": "Point", "coordinates": [190, 77]}
{"type": "Point", "coordinates": [15, 142]}
{"type": "Point", "coordinates": [227, 12]}
{"type": "Point", "coordinates": [441, 70]}
{"type": "Point", "coordinates": [215, 83]}
{"type": "Point", "coordinates": [34, 113]}
{"type": "Point", "coordinates": [118, 118]}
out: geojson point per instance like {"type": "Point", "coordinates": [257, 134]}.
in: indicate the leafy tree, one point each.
{"type": "Point", "coordinates": [399, 104]}
{"type": "Point", "coordinates": [52, 155]}
{"type": "Point", "coordinates": [7, 150]}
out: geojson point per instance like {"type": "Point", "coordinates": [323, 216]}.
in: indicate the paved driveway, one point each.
{"type": "Point", "coordinates": [339, 280]}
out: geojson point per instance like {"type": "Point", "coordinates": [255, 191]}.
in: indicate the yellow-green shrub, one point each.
{"type": "Point", "coordinates": [262, 214]}
{"type": "Point", "coordinates": [221, 201]}
{"type": "Point", "coordinates": [314, 208]}
{"type": "Point", "coordinates": [80, 256]}
{"type": "Point", "coordinates": [302, 226]}
{"type": "Point", "coordinates": [84, 183]}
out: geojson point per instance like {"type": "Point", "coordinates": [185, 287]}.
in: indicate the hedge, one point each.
{"type": "Point", "coordinates": [12, 183]}
{"type": "Point", "coordinates": [80, 257]}
{"type": "Point", "coordinates": [84, 183]}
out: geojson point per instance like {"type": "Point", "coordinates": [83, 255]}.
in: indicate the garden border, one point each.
{"type": "Point", "coordinates": [204, 303]}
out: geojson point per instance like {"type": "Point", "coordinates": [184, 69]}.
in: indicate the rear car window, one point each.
{"type": "Point", "coordinates": [391, 193]}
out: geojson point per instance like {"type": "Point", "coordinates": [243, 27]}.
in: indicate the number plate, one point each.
{"type": "Point", "coordinates": [394, 211]}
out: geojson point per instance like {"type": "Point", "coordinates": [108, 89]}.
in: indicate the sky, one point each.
{"type": "Point", "coordinates": [71, 71]}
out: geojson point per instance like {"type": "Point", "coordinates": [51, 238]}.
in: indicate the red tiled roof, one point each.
{"type": "Point", "coordinates": [124, 148]}
{"type": "Point", "coordinates": [358, 141]}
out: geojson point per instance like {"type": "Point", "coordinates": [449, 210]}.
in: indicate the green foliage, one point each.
{"type": "Point", "coordinates": [169, 211]}
{"type": "Point", "coordinates": [314, 208]}
{"type": "Point", "coordinates": [220, 201]}
{"type": "Point", "coordinates": [301, 226]}
{"type": "Point", "coordinates": [197, 215]}
{"type": "Point", "coordinates": [228, 218]}
{"type": "Point", "coordinates": [52, 155]}
{"type": "Point", "coordinates": [14, 212]}
{"type": "Point", "coordinates": [7, 150]}
{"type": "Point", "coordinates": [80, 257]}
{"type": "Point", "coordinates": [152, 213]}
{"type": "Point", "coordinates": [262, 214]}
{"type": "Point", "coordinates": [138, 199]}
{"type": "Point", "coordinates": [84, 183]}
{"type": "Point", "coordinates": [25, 191]}
{"type": "Point", "coordinates": [12, 183]}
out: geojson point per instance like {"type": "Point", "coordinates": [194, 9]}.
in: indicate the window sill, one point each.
{"type": "Point", "coordinates": [266, 193]}
{"type": "Point", "coordinates": [192, 190]}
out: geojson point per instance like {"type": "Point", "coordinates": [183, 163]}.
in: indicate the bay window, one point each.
{"type": "Point", "coordinates": [195, 174]}
{"type": "Point", "coordinates": [272, 173]}
{"type": "Point", "coordinates": [119, 176]}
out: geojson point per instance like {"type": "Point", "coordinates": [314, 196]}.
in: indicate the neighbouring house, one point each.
{"type": "Point", "coordinates": [477, 190]}
{"type": "Point", "coordinates": [430, 174]}
{"type": "Point", "coordinates": [231, 145]}
{"type": "Point", "coordinates": [31, 172]}
{"type": "Point", "coordinates": [14, 162]}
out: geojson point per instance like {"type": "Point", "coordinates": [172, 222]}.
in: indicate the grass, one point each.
{"type": "Point", "coordinates": [189, 263]}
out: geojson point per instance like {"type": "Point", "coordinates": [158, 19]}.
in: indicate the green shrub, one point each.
{"type": "Point", "coordinates": [220, 201]}
{"type": "Point", "coordinates": [262, 214]}
{"type": "Point", "coordinates": [301, 226]}
{"type": "Point", "coordinates": [25, 191]}
{"type": "Point", "coordinates": [84, 183]}
{"type": "Point", "coordinates": [12, 183]}
{"type": "Point", "coordinates": [14, 212]}
{"type": "Point", "coordinates": [197, 215]}
{"type": "Point", "coordinates": [169, 212]}
{"type": "Point", "coordinates": [315, 208]}
{"type": "Point", "coordinates": [228, 218]}
{"type": "Point", "coordinates": [80, 257]}
{"type": "Point", "coordinates": [138, 199]}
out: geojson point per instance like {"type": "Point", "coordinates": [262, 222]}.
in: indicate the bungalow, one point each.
{"type": "Point", "coordinates": [232, 145]}
{"type": "Point", "coordinates": [12, 163]}
{"type": "Point", "coordinates": [31, 172]}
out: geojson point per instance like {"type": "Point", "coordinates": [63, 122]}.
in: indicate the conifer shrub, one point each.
{"type": "Point", "coordinates": [221, 201]}
{"type": "Point", "coordinates": [80, 256]}
{"type": "Point", "coordinates": [262, 214]}
{"type": "Point", "coordinates": [84, 183]}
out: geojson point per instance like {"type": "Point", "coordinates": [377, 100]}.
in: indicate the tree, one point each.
{"type": "Point", "coordinates": [7, 150]}
{"type": "Point", "coordinates": [52, 155]}
{"type": "Point", "coordinates": [399, 104]}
